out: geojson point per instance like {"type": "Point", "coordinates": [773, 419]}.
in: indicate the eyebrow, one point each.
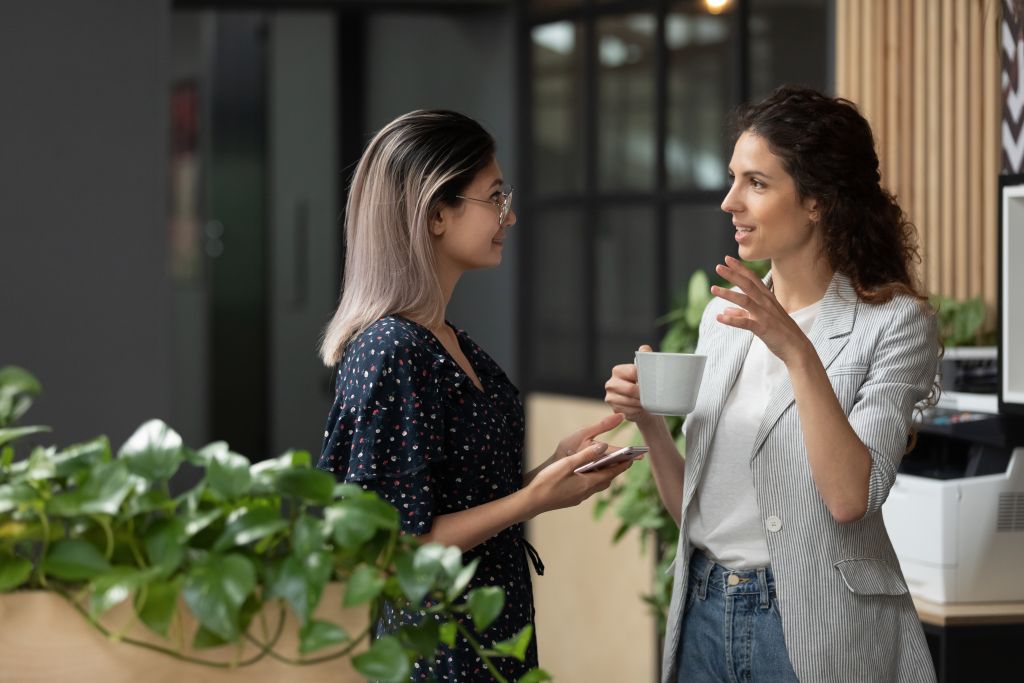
{"type": "Point", "coordinates": [748, 174]}
{"type": "Point", "coordinates": [498, 182]}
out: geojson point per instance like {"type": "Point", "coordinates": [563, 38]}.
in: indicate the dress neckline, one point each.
{"type": "Point", "coordinates": [450, 358]}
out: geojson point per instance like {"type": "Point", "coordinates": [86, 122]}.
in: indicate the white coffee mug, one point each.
{"type": "Point", "coordinates": [669, 382]}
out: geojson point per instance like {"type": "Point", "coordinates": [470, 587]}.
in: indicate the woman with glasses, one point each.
{"type": "Point", "coordinates": [784, 570]}
{"type": "Point", "coordinates": [422, 415]}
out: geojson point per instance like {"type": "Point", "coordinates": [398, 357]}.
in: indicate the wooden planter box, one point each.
{"type": "Point", "coordinates": [43, 639]}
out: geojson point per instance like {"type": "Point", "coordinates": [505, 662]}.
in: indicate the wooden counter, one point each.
{"type": "Point", "coordinates": [969, 613]}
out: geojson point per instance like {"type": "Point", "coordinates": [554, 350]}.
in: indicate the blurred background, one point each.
{"type": "Point", "coordinates": [174, 177]}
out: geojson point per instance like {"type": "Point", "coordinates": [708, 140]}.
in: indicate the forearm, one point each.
{"type": "Point", "coordinates": [667, 465]}
{"type": "Point", "coordinates": [469, 528]}
{"type": "Point", "coordinates": [840, 462]}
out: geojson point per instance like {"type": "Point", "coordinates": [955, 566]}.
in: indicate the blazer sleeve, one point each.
{"type": "Point", "coordinates": [900, 376]}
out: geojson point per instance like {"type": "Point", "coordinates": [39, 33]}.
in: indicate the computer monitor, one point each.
{"type": "Point", "coordinates": [1011, 294]}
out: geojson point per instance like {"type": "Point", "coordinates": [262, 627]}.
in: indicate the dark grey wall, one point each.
{"type": "Point", "coordinates": [466, 62]}
{"type": "Point", "coordinates": [84, 299]}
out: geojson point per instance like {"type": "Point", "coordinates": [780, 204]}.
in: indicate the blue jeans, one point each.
{"type": "Point", "coordinates": [731, 626]}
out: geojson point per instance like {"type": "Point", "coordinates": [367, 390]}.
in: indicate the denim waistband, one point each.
{"type": "Point", "coordinates": [709, 575]}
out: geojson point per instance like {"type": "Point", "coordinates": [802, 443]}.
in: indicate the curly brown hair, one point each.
{"type": "Point", "coordinates": [826, 145]}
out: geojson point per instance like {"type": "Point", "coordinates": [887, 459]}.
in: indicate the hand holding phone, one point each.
{"type": "Point", "coordinates": [621, 455]}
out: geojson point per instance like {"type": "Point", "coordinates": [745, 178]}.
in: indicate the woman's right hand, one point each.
{"type": "Point", "coordinates": [559, 486]}
{"type": "Point", "coordinates": [622, 391]}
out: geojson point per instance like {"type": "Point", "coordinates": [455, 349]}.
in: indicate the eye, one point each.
{"type": "Point", "coordinates": [756, 184]}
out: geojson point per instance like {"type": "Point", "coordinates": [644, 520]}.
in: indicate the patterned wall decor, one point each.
{"type": "Point", "coordinates": [926, 73]}
{"type": "Point", "coordinates": [1012, 53]}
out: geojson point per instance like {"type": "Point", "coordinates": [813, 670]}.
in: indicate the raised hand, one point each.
{"type": "Point", "coordinates": [758, 311]}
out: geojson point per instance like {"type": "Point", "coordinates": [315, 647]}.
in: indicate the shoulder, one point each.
{"type": "Point", "coordinates": [901, 333]}
{"type": "Point", "coordinates": [900, 313]}
{"type": "Point", "coordinates": [390, 342]}
{"type": "Point", "coordinates": [390, 337]}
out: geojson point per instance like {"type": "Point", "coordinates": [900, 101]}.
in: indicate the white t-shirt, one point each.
{"type": "Point", "coordinates": [723, 518]}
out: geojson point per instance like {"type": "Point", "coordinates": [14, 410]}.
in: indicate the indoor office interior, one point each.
{"type": "Point", "coordinates": [173, 190]}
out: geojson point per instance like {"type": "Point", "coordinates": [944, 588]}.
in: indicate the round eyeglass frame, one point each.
{"type": "Point", "coordinates": [503, 205]}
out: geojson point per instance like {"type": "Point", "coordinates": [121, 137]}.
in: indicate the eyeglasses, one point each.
{"type": "Point", "coordinates": [503, 204]}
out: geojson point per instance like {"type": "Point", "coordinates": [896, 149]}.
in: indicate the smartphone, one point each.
{"type": "Point", "coordinates": [621, 455]}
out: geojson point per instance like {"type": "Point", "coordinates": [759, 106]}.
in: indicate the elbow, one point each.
{"type": "Point", "coordinates": [847, 512]}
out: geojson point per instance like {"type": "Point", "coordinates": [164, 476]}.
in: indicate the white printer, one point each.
{"type": "Point", "coordinates": [956, 512]}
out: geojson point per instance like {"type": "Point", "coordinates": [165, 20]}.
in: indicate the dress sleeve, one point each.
{"type": "Point", "coordinates": [392, 425]}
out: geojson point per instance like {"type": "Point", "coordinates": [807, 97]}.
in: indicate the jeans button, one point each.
{"type": "Point", "coordinates": [773, 524]}
{"type": "Point", "coordinates": [733, 580]}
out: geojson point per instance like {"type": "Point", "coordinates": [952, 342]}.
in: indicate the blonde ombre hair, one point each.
{"type": "Point", "coordinates": [415, 164]}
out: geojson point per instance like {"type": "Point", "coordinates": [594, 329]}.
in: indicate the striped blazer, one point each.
{"type": "Point", "coordinates": [846, 613]}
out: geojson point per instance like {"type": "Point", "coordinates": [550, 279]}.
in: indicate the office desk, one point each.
{"type": "Point", "coordinates": [981, 641]}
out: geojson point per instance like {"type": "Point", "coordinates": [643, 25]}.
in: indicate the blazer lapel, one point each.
{"type": "Point", "coordinates": [728, 347]}
{"type": "Point", "coordinates": [829, 334]}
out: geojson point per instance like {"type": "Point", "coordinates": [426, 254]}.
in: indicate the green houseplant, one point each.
{"type": "Point", "coordinates": [100, 530]}
{"type": "Point", "coordinates": [634, 497]}
{"type": "Point", "coordinates": [960, 322]}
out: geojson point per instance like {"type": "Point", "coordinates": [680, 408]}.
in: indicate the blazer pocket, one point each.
{"type": "Point", "coordinates": [870, 576]}
{"type": "Point", "coordinates": [846, 383]}
{"type": "Point", "coordinates": [852, 369]}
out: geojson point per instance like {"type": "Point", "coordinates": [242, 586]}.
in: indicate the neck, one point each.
{"type": "Point", "coordinates": [799, 286]}
{"type": "Point", "coordinates": [447, 276]}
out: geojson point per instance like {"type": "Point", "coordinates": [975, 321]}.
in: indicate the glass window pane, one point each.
{"type": "Point", "coordinates": [557, 324]}
{"type": "Point", "coordinates": [626, 90]}
{"type": "Point", "coordinates": [557, 107]}
{"type": "Point", "coordinates": [626, 270]}
{"type": "Point", "coordinates": [699, 236]}
{"type": "Point", "coordinates": [702, 90]}
{"type": "Point", "coordinates": [788, 44]}
{"type": "Point", "coordinates": [540, 7]}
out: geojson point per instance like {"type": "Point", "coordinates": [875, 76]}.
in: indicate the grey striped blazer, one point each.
{"type": "Point", "coordinates": [846, 612]}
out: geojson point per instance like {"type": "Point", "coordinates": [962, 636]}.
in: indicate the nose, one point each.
{"type": "Point", "coordinates": [731, 203]}
{"type": "Point", "coordinates": [510, 219]}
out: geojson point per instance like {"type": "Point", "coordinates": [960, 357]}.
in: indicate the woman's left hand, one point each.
{"type": "Point", "coordinates": [575, 442]}
{"type": "Point", "coordinates": [759, 311]}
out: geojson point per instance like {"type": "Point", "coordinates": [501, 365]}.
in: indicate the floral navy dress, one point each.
{"type": "Point", "coordinates": [409, 424]}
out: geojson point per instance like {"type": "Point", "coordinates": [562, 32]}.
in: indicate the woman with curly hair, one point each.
{"type": "Point", "coordinates": [784, 570]}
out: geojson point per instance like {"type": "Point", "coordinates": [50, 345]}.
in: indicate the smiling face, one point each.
{"type": "Point", "coordinates": [771, 220]}
{"type": "Point", "coordinates": [467, 234]}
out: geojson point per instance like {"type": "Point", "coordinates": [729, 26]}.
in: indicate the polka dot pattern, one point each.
{"type": "Point", "coordinates": [409, 424]}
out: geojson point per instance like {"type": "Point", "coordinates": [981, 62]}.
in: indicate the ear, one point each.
{"type": "Point", "coordinates": [438, 224]}
{"type": "Point", "coordinates": [811, 206]}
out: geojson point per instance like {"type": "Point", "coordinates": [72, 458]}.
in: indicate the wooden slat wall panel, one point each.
{"type": "Point", "coordinates": [918, 186]}
{"type": "Point", "coordinates": [926, 75]}
{"type": "Point", "coordinates": [947, 181]}
{"type": "Point", "coordinates": [976, 216]}
{"type": "Point", "coordinates": [931, 222]}
{"type": "Point", "coordinates": [961, 219]}
{"type": "Point", "coordinates": [988, 131]}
